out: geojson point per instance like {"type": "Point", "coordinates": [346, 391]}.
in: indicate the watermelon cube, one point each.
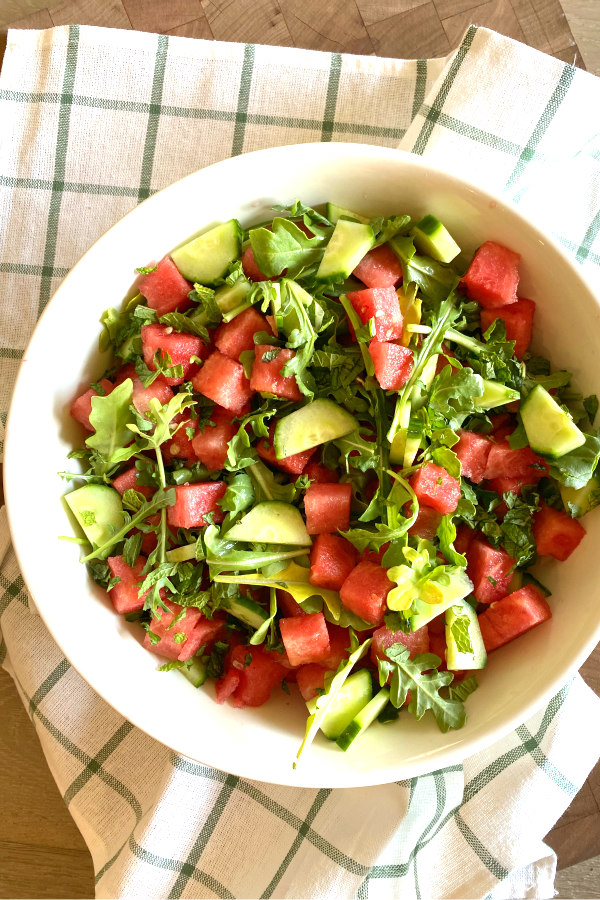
{"type": "Point", "coordinates": [128, 480]}
{"type": "Point", "coordinates": [174, 636]}
{"type": "Point", "coordinates": [339, 646]}
{"type": "Point", "coordinates": [258, 673]}
{"type": "Point", "coordinates": [180, 445]}
{"type": "Point", "coordinates": [365, 590]}
{"type": "Point", "coordinates": [379, 268]}
{"type": "Point", "coordinates": [473, 451]}
{"type": "Point", "coordinates": [81, 407]}
{"type": "Point", "coordinates": [166, 289]}
{"type": "Point", "coordinates": [180, 347]}
{"type": "Point", "coordinates": [511, 617]}
{"type": "Point", "coordinates": [320, 473]}
{"type": "Point", "coordinates": [288, 606]}
{"type": "Point", "coordinates": [250, 268]}
{"type": "Point", "coordinates": [193, 502]}
{"type": "Point", "coordinates": [305, 638]}
{"type": "Point", "coordinates": [493, 276]}
{"type": "Point", "coordinates": [383, 305]}
{"type": "Point", "coordinates": [294, 464]}
{"type": "Point", "coordinates": [232, 338]}
{"type": "Point", "coordinates": [393, 364]}
{"type": "Point", "coordinates": [124, 595]}
{"type": "Point", "coordinates": [204, 634]}
{"type": "Point", "coordinates": [489, 569]}
{"type": "Point", "coordinates": [227, 685]}
{"type": "Point", "coordinates": [436, 488]}
{"type": "Point", "coordinates": [464, 536]}
{"type": "Point", "coordinates": [222, 380]}
{"type": "Point", "coordinates": [332, 558]}
{"type": "Point", "coordinates": [522, 463]}
{"type": "Point", "coordinates": [327, 508]}
{"type": "Point", "coordinates": [416, 641]}
{"type": "Point", "coordinates": [518, 318]}
{"type": "Point", "coordinates": [266, 374]}
{"type": "Point", "coordinates": [210, 442]}
{"type": "Point", "coordinates": [556, 533]}
{"type": "Point", "coordinates": [311, 680]}
{"type": "Point", "coordinates": [426, 524]}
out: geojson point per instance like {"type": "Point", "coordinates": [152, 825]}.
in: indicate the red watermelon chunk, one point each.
{"type": "Point", "coordinates": [305, 638]}
{"type": "Point", "coordinates": [493, 276]}
{"type": "Point", "coordinates": [294, 464]}
{"type": "Point", "coordinates": [180, 347]}
{"type": "Point", "coordinates": [327, 508]}
{"type": "Point", "coordinates": [365, 590]}
{"type": "Point", "coordinates": [464, 536]}
{"type": "Point", "coordinates": [143, 395]}
{"type": "Point", "coordinates": [437, 645]}
{"type": "Point", "coordinates": [556, 533]}
{"type": "Point", "coordinates": [193, 501]}
{"type": "Point", "coordinates": [523, 463]}
{"type": "Point", "coordinates": [180, 445]}
{"type": "Point", "coordinates": [232, 338]}
{"type": "Point", "coordinates": [288, 606]}
{"type": "Point", "coordinates": [166, 289]}
{"type": "Point", "coordinates": [128, 480]}
{"type": "Point", "coordinates": [124, 595]}
{"type": "Point", "coordinates": [319, 473]}
{"type": "Point", "coordinates": [311, 680]}
{"type": "Point", "coordinates": [505, 484]}
{"type": "Point", "coordinates": [473, 451]}
{"type": "Point", "coordinates": [81, 407]}
{"type": "Point", "coordinates": [227, 685]}
{"type": "Point", "coordinates": [339, 646]}
{"type": "Point", "coordinates": [204, 634]}
{"type": "Point", "coordinates": [250, 268]}
{"type": "Point", "coordinates": [258, 673]}
{"type": "Point", "coordinates": [379, 268]}
{"type": "Point", "coordinates": [210, 443]}
{"type": "Point", "coordinates": [489, 569]}
{"type": "Point", "coordinates": [511, 617]}
{"type": "Point", "coordinates": [426, 524]}
{"type": "Point", "coordinates": [416, 641]}
{"type": "Point", "coordinates": [222, 380]}
{"type": "Point", "coordinates": [332, 558]}
{"type": "Point", "coordinates": [518, 318]}
{"type": "Point", "coordinates": [436, 488]}
{"type": "Point", "coordinates": [267, 377]}
{"type": "Point", "coordinates": [393, 364]}
{"type": "Point", "coordinates": [383, 305]}
{"type": "Point", "coordinates": [171, 644]}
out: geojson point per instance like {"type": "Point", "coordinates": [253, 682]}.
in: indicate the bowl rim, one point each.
{"type": "Point", "coordinates": [451, 755]}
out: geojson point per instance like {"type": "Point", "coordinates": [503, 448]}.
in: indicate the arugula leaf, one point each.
{"type": "Point", "coordinates": [210, 314]}
{"type": "Point", "coordinates": [366, 456]}
{"type": "Point", "coordinates": [266, 487]}
{"type": "Point", "coordinates": [413, 675]}
{"type": "Point", "coordinates": [462, 689]}
{"type": "Point", "coordinates": [221, 554]}
{"type": "Point", "coordinates": [385, 228]}
{"type": "Point", "coordinates": [162, 366]}
{"type": "Point", "coordinates": [446, 535]}
{"type": "Point", "coordinates": [590, 404]}
{"type": "Point", "coordinates": [452, 394]}
{"type": "Point", "coordinates": [110, 418]}
{"type": "Point", "coordinates": [162, 418]}
{"type": "Point", "coordinates": [238, 496]}
{"type": "Point", "coordinates": [162, 498]}
{"type": "Point", "coordinates": [261, 633]}
{"type": "Point", "coordinates": [435, 280]}
{"type": "Point", "coordinates": [285, 247]}
{"type": "Point", "coordinates": [315, 720]}
{"type": "Point", "coordinates": [575, 469]}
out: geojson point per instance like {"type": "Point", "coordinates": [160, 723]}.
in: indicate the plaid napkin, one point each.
{"type": "Point", "coordinates": [96, 120]}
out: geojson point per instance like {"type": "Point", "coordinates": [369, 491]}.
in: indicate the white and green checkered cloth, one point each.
{"type": "Point", "coordinates": [95, 120]}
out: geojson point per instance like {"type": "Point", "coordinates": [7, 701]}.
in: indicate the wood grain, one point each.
{"type": "Point", "coordinates": [156, 15]}
{"type": "Point", "coordinates": [110, 13]}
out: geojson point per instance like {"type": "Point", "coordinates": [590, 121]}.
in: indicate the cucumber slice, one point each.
{"type": "Point", "coordinates": [334, 213]}
{"type": "Point", "coordinates": [271, 522]}
{"type": "Point", "coordinates": [494, 394]}
{"type": "Point", "coordinates": [197, 673]}
{"type": "Point", "coordinates": [311, 425]}
{"type": "Point", "coordinates": [182, 554]}
{"type": "Point", "coordinates": [246, 610]}
{"type": "Point", "coordinates": [549, 429]}
{"type": "Point", "coordinates": [398, 445]}
{"type": "Point", "coordinates": [347, 246]}
{"type": "Point", "coordinates": [205, 258]}
{"type": "Point", "coordinates": [232, 299]}
{"type": "Point", "coordinates": [579, 501]}
{"type": "Point", "coordinates": [98, 509]}
{"type": "Point", "coordinates": [455, 658]}
{"type": "Point", "coordinates": [365, 717]}
{"type": "Point", "coordinates": [433, 239]}
{"type": "Point", "coordinates": [353, 695]}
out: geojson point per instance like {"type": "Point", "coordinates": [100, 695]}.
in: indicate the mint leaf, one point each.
{"type": "Point", "coordinates": [179, 322]}
{"type": "Point", "coordinates": [460, 632]}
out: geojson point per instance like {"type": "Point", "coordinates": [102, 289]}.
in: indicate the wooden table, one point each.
{"type": "Point", "coordinates": [42, 852]}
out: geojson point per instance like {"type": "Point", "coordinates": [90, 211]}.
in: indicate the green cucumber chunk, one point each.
{"type": "Point", "coordinates": [99, 511]}
{"type": "Point", "coordinates": [311, 425]}
{"type": "Point", "coordinates": [197, 673]}
{"type": "Point", "coordinates": [365, 717]}
{"type": "Point", "coordinates": [353, 695]}
{"type": "Point", "coordinates": [246, 610]}
{"type": "Point", "coordinates": [335, 213]}
{"type": "Point", "coordinates": [549, 429]}
{"type": "Point", "coordinates": [182, 554]}
{"type": "Point", "coordinates": [233, 299]}
{"type": "Point", "coordinates": [347, 245]}
{"type": "Point", "coordinates": [205, 259]}
{"type": "Point", "coordinates": [579, 501]}
{"type": "Point", "coordinates": [494, 394]}
{"type": "Point", "coordinates": [433, 239]}
{"type": "Point", "coordinates": [271, 522]}
{"type": "Point", "coordinates": [456, 659]}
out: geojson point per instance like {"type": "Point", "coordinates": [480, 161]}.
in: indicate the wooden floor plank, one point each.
{"type": "Point", "coordinates": [498, 15]}
{"type": "Point", "coordinates": [199, 28]}
{"type": "Point", "coordinates": [249, 21]}
{"type": "Point", "coordinates": [109, 13]}
{"type": "Point", "coordinates": [335, 26]}
{"type": "Point", "coordinates": [416, 33]}
{"type": "Point", "coordinates": [161, 16]}
{"type": "Point", "coordinates": [533, 30]}
{"type": "Point", "coordinates": [373, 11]}
{"type": "Point", "coordinates": [38, 872]}
{"type": "Point", "coordinates": [554, 22]}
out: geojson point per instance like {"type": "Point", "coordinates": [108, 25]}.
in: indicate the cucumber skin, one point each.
{"type": "Point", "coordinates": [349, 259]}
{"type": "Point", "coordinates": [548, 400]}
{"type": "Point", "coordinates": [321, 409]}
{"type": "Point", "coordinates": [358, 725]}
{"type": "Point", "coordinates": [455, 659]}
{"type": "Point", "coordinates": [330, 726]}
{"type": "Point", "coordinates": [188, 266]}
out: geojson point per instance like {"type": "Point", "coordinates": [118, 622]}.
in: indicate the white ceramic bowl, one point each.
{"type": "Point", "coordinates": [262, 743]}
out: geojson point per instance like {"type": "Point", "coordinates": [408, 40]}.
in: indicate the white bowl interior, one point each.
{"type": "Point", "coordinates": [262, 743]}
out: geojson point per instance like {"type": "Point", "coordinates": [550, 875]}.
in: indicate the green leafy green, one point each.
{"type": "Point", "coordinates": [147, 270]}
{"type": "Point", "coordinates": [187, 324]}
{"type": "Point", "coordinates": [435, 280]}
{"type": "Point", "coordinates": [462, 689]}
{"type": "Point", "coordinates": [110, 418]}
{"type": "Point", "coordinates": [161, 499]}
{"type": "Point", "coordinates": [460, 631]}
{"type": "Point", "coordinates": [285, 247]}
{"type": "Point", "coordinates": [575, 469]}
